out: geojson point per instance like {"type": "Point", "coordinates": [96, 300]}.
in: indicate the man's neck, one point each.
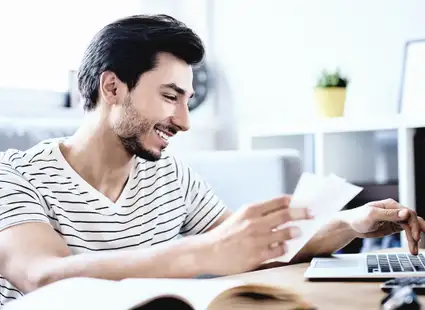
{"type": "Point", "coordinates": [97, 155]}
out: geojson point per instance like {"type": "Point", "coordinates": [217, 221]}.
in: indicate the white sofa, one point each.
{"type": "Point", "coordinates": [240, 177]}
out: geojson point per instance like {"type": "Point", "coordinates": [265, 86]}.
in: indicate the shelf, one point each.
{"type": "Point", "coordinates": [335, 125]}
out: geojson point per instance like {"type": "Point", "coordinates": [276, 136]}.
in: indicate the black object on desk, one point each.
{"type": "Point", "coordinates": [419, 168]}
{"type": "Point", "coordinates": [417, 284]}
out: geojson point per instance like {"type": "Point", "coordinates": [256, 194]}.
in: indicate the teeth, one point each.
{"type": "Point", "coordinates": [161, 134]}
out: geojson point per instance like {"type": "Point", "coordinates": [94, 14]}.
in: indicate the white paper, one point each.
{"type": "Point", "coordinates": [324, 196]}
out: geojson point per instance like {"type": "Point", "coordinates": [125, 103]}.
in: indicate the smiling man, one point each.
{"type": "Point", "coordinates": [109, 202]}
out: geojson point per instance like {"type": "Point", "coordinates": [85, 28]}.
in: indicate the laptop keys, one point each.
{"type": "Point", "coordinates": [372, 263]}
{"type": "Point", "coordinates": [416, 263]}
{"type": "Point", "coordinates": [395, 263]}
{"type": "Point", "coordinates": [383, 263]}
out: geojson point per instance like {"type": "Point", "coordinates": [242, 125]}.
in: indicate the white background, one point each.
{"type": "Point", "coordinates": [267, 53]}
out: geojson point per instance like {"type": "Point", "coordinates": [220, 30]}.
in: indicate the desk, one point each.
{"type": "Point", "coordinates": [324, 295]}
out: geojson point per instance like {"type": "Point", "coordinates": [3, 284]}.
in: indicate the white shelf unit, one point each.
{"type": "Point", "coordinates": [349, 147]}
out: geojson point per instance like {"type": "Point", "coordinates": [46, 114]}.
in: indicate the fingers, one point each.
{"type": "Point", "coordinates": [414, 225]}
{"type": "Point", "coordinates": [281, 235]}
{"type": "Point", "coordinates": [421, 222]}
{"type": "Point", "coordinates": [274, 251]}
{"type": "Point", "coordinates": [413, 245]}
{"type": "Point", "coordinates": [390, 214]}
{"type": "Point", "coordinates": [274, 244]}
{"type": "Point", "coordinates": [391, 211]}
{"type": "Point", "coordinates": [280, 217]}
{"type": "Point", "coordinates": [386, 204]}
{"type": "Point", "coordinates": [413, 230]}
{"type": "Point", "coordinates": [269, 206]}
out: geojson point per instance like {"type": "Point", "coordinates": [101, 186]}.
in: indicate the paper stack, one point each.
{"type": "Point", "coordinates": [325, 196]}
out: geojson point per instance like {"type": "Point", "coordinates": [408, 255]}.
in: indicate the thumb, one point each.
{"type": "Point", "coordinates": [391, 215]}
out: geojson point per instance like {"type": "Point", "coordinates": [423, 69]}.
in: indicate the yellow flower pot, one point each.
{"type": "Point", "coordinates": [330, 101]}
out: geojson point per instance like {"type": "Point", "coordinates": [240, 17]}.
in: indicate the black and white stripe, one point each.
{"type": "Point", "coordinates": [161, 201]}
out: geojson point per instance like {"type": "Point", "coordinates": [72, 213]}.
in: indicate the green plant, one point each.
{"type": "Point", "coordinates": [332, 79]}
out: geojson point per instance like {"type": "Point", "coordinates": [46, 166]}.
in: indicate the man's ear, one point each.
{"type": "Point", "coordinates": [109, 84]}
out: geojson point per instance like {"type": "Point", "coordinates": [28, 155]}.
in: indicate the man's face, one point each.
{"type": "Point", "coordinates": [156, 109]}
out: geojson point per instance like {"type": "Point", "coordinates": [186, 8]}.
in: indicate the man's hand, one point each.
{"type": "Point", "coordinates": [249, 237]}
{"type": "Point", "coordinates": [385, 217]}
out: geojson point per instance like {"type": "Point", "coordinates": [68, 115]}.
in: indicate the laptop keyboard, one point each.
{"type": "Point", "coordinates": [395, 262]}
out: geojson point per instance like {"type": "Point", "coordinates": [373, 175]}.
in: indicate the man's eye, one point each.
{"type": "Point", "coordinates": [172, 98]}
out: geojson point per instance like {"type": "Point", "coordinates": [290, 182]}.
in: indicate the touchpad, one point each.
{"type": "Point", "coordinates": [336, 263]}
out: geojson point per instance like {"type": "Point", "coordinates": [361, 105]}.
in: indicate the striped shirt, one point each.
{"type": "Point", "coordinates": [161, 201]}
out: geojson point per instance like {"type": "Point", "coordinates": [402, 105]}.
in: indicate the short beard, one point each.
{"type": "Point", "coordinates": [133, 146]}
{"type": "Point", "coordinates": [129, 130]}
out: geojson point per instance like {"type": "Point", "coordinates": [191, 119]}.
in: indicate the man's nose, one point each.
{"type": "Point", "coordinates": [181, 117]}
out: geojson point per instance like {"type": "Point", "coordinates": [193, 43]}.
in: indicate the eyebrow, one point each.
{"type": "Point", "coordinates": [177, 89]}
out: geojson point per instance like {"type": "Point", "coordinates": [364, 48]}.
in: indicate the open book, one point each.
{"type": "Point", "coordinates": [182, 294]}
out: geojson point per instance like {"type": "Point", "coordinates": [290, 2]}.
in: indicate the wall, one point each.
{"type": "Point", "coordinates": [283, 45]}
{"type": "Point", "coordinates": [41, 41]}
{"type": "Point", "coordinates": [264, 55]}
{"type": "Point", "coordinates": [267, 55]}
{"type": "Point", "coordinates": [273, 51]}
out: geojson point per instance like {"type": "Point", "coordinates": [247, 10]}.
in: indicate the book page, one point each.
{"type": "Point", "coordinates": [201, 294]}
{"type": "Point", "coordinates": [71, 294]}
{"type": "Point", "coordinates": [197, 292]}
{"type": "Point", "coordinates": [92, 293]}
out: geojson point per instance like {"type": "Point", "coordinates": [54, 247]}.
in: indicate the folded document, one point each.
{"type": "Point", "coordinates": [325, 196]}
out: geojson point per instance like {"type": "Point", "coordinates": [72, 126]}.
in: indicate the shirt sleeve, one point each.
{"type": "Point", "coordinates": [203, 206]}
{"type": "Point", "coordinates": [19, 202]}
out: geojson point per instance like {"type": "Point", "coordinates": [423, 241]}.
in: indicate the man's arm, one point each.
{"type": "Point", "coordinates": [33, 255]}
{"type": "Point", "coordinates": [372, 220]}
{"type": "Point", "coordinates": [329, 239]}
{"type": "Point", "coordinates": [375, 219]}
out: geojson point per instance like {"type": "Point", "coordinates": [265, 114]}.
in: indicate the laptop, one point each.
{"type": "Point", "coordinates": [366, 266]}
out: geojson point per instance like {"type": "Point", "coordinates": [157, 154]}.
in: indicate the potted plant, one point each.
{"type": "Point", "coordinates": [330, 93]}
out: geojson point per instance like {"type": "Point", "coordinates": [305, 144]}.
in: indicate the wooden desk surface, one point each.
{"type": "Point", "coordinates": [324, 295]}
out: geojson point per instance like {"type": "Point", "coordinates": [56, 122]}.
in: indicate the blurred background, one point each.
{"type": "Point", "coordinates": [330, 86]}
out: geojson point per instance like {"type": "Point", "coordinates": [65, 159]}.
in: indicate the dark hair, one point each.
{"type": "Point", "coordinates": [129, 47]}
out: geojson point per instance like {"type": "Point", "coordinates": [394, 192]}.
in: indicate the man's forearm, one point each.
{"type": "Point", "coordinates": [182, 258]}
{"type": "Point", "coordinates": [330, 238]}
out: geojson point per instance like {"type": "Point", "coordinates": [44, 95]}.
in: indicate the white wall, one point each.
{"type": "Point", "coordinates": [272, 51]}
{"type": "Point", "coordinates": [265, 53]}
{"type": "Point", "coordinates": [43, 39]}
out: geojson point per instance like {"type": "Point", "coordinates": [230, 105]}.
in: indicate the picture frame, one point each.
{"type": "Point", "coordinates": [412, 86]}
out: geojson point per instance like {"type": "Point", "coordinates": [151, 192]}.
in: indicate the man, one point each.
{"type": "Point", "coordinates": [108, 202]}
